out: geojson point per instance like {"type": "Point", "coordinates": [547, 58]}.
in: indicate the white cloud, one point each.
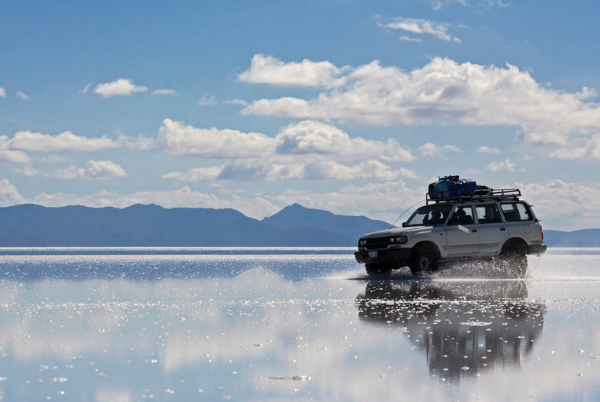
{"type": "Point", "coordinates": [86, 89]}
{"type": "Point", "coordinates": [120, 87]}
{"type": "Point", "coordinates": [236, 101]}
{"type": "Point", "coordinates": [269, 70]}
{"type": "Point", "coordinates": [9, 155]}
{"type": "Point", "coordinates": [420, 26]}
{"type": "Point", "coordinates": [164, 92]}
{"type": "Point", "coordinates": [313, 137]}
{"type": "Point", "coordinates": [506, 166]}
{"type": "Point", "coordinates": [305, 137]}
{"type": "Point", "coordinates": [408, 39]}
{"type": "Point", "coordinates": [315, 170]}
{"type": "Point", "coordinates": [2, 92]}
{"type": "Point", "coordinates": [66, 141]}
{"type": "Point", "coordinates": [445, 92]}
{"type": "Point", "coordinates": [94, 170]}
{"type": "Point", "coordinates": [564, 206]}
{"type": "Point", "coordinates": [176, 138]}
{"type": "Point", "coordinates": [207, 100]}
{"type": "Point", "coordinates": [140, 142]}
{"type": "Point", "coordinates": [21, 96]}
{"type": "Point", "coordinates": [435, 151]}
{"type": "Point", "coordinates": [487, 150]}
{"type": "Point", "coordinates": [591, 150]}
{"type": "Point", "coordinates": [14, 157]}
{"type": "Point", "coordinates": [479, 4]}
{"type": "Point", "coordinates": [9, 195]}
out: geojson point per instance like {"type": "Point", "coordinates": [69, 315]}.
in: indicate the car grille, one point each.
{"type": "Point", "coordinates": [377, 243]}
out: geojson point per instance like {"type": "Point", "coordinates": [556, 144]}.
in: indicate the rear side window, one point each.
{"type": "Point", "coordinates": [488, 213]}
{"type": "Point", "coordinates": [516, 211]}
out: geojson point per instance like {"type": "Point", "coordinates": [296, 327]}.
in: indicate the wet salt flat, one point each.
{"type": "Point", "coordinates": [300, 324]}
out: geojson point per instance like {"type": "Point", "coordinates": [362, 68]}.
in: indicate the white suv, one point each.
{"type": "Point", "coordinates": [497, 224]}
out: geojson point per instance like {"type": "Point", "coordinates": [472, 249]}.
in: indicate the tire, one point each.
{"type": "Point", "coordinates": [423, 260]}
{"type": "Point", "coordinates": [378, 269]}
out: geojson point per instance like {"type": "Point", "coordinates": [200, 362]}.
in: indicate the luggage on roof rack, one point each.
{"type": "Point", "coordinates": [451, 186]}
{"type": "Point", "coordinates": [481, 194]}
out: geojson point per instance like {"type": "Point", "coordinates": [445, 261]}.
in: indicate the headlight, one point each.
{"type": "Point", "coordinates": [399, 239]}
{"type": "Point", "coordinates": [362, 242]}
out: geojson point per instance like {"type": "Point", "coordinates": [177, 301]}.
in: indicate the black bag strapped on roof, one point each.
{"type": "Point", "coordinates": [452, 186]}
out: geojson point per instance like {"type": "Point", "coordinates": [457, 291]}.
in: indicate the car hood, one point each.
{"type": "Point", "coordinates": [398, 231]}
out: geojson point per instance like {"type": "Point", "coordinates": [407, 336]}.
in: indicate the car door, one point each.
{"type": "Point", "coordinates": [492, 230]}
{"type": "Point", "coordinates": [462, 235]}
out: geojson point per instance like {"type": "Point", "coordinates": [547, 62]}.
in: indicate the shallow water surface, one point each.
{"type": "Point", "coordinates": [292, 324]}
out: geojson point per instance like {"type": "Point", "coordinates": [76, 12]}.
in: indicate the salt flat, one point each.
{"type": "Point", "coordinates": [292, 324]}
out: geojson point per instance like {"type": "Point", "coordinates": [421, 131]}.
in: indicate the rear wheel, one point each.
{"type": "Point", "coordinates": [423, 260]}
{"type": "Point", "coordinates": [514, 259]}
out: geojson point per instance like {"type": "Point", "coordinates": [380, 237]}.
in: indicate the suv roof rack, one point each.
{"type": "Point", "coordinates": [480, 195]}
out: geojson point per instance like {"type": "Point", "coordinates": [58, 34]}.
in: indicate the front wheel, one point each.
{"type": "Point", "coordinates": [422, 261]}
{"type": "Point", "coordinates": [378, 269]}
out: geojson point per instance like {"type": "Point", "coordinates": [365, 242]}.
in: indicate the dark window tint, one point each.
{"type": "Point", "coordinates": [462, 216]}
{"type": "Point", "coordinates": [516, 211]}
{"type": "Point", "coordinates": [488, 213]}
{"type": "Point", "coordinates": [429, 215]}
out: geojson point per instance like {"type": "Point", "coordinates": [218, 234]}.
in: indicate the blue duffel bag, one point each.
{"type": "Point", "coordinates": [451, 186]}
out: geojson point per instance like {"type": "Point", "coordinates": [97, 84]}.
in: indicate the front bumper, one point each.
{"type": "Point", "coordinates": [537, 249]}
{"type": "Point", "coordinates": [399, 257]}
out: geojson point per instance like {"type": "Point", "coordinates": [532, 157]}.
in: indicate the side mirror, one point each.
{"type": "Point", "coordinates": [403, 224]}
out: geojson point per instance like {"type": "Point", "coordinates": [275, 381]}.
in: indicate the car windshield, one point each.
{"type": "Point", "coordinates": [429, 215]}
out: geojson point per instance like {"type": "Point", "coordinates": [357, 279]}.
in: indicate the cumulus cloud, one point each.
{"type": "Point", "coordinates": [164, 92]}
{"type": "Point", "coordinates": [179, 139]}
{"type": "Point", "coordinates": [590, 150]}
{"type": "Point", "coordinates": [579, 205]}
{"type": "Point", "coordinates": [445, 92]}
{"type": "Point", "coordinates": [420, 26]}
{"type": "Point", "coordinates": [435, 151]}
{"type": "Point", "coordinates": [9, 155]}
{"type": "Point", "coordinates": [2, 92]}
{"type": "Point", "coordinates": [487, 150]}
{"type": "Point", "coordinates": [314, 170]}
{"type": "Point", "coordinates": [9, 195]}
{"type": "Point", "coordinates": [120, 87]}
{"type": "Point", "coordinates": [313, 137]}
{"type": "Point", "coordinates": [506, 166]}
{"type": "Point", "coordinates": [303, 138]}
{"type": "Point", "coordinates": [269, 70]}
{"type": "Point", "coordinates": [21, 96]}
{"type": "Point", "coordinates": [66, 141]}
{"type": "Point", "coordinates": [94, 170]}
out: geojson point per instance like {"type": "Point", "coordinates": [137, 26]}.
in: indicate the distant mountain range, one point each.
{"type": "Point", "coordinates": [154, 226]}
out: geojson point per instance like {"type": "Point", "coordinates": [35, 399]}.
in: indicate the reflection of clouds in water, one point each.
{"type": "Point", "coordinates": [240, 332]}
{"type": "Point", "coordinates": [464, 328]}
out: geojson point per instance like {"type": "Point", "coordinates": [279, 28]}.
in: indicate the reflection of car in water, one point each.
{"type": "Point", "coordinates": [464, 327]}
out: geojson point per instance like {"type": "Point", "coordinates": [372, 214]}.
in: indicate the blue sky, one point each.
{"type": "Point", "coordinates": [348, 106]}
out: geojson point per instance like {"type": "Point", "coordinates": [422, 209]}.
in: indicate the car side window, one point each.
{"type": "Point", "coordinates": [463, 215]}
{"type": "Point", "coordinates": [516, 211]}
{"type": "Point", "coordinates": [488, 213]}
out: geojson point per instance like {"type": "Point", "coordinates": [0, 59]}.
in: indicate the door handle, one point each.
{"type": "Point", "coordinates": [503, 229]}
{"type": "Point", "coordinates": [474, 230]}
